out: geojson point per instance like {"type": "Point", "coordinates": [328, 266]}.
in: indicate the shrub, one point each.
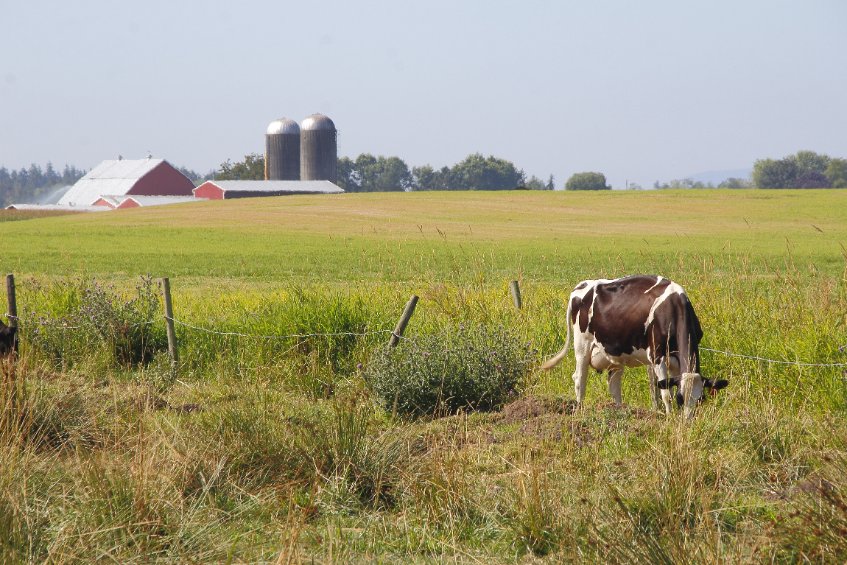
{"type": "Point", "coordinates": [464, 368]}
{"type": "Point", "coordinates": [587, 181]}
{"type": "Point", "coordinates": [93, 317]}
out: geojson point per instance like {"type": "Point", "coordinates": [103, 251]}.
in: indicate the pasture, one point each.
{"type": "Point", "coordinates": [270, 444]}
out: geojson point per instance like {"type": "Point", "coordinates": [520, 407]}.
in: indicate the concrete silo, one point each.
{"type": "Point", "coordinates": [282, 150]}
{"type": "Point", "coordinates": [318, 148]}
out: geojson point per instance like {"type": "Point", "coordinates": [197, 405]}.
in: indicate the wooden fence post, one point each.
{"type": "Point", "coordinates": [169, 319]}
{"type": "Point", "coordinates": [12, 311]}
{"type": "Point", "coordinates": [404, 320]}
{"type": "Point", "coordinates": [516, 294]}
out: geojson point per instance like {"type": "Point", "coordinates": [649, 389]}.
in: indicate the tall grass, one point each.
{"type": "Point", "coordinates": [270, 446]}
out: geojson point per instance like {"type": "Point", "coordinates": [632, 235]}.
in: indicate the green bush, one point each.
{"type": "Point", "coordinates": [460, 368]}
{"type": "Point", "coordinates": [91, 317]}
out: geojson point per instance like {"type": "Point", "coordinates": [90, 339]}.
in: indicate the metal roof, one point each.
{"type": "Point", "coordinates": [292, 186]}
{"type": "Point", "coordinates": [283, 126]}
{"type": "Point", "coordinates": [115, 177]}
{"type": "Point", "coordinates": [317, 122]}
{"type": "Point", "coordinates": [159, 200]}
{"type": "Point", "coordinates": [57, 207]}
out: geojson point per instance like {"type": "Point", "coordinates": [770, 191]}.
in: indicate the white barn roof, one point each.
{"type": "Point", "coordinates": [158, 200]}
{"type": "Point", "coordinates": [113, 177]}
{"type": "Point", "coordinates": [57, 207]}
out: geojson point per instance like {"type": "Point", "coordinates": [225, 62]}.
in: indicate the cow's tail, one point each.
{"type": "Point", "coordinates": [556, 359]}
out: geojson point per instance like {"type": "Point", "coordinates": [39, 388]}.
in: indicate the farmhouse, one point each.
{"type": "Point", "coordinates": [127, 177]}
{"type": "Point", "coordinates": [227, 189]}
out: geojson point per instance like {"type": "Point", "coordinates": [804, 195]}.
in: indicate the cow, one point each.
{"type": "Point", "coordinates": [632, 321]}
{"type": "Point", "coordinates": [8, 339]}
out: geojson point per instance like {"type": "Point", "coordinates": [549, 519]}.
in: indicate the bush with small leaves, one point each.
{"type": "Point", "coordinates": [464, 368]}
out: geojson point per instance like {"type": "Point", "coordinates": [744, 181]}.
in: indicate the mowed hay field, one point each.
{"type": "Point", "coordinates": [278, 438]}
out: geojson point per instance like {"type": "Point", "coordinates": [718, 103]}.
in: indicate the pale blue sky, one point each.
{"type": "Point", "coordinates": [639, 90]}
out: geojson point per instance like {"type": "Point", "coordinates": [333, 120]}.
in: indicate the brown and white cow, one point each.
{"type": "Point", "coordinates": [632, 321]}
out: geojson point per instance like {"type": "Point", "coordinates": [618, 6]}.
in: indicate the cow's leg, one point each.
{"type": "Point", "coordinates": [661, 370]}
{"type": "Point", "coordinates": [655, 397]}
{"type": "Point", "coordinates": [582, 352]}
{"type": "Point", "coordinates": [614, 378]}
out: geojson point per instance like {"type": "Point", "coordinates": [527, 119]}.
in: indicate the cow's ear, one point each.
{"type": "Point", "coordinates": [719, 384]}
{"type": "Point", "coordinates": [667, 384]}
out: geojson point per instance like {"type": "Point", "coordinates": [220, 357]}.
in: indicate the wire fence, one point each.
{"type": "Point", "coordinates": [39, 320]}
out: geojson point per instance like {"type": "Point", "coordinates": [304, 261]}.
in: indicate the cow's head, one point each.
{"type": "Point", "coordinates": [7, 338]}
{"type": "Point", "coordinates": [692, 389]}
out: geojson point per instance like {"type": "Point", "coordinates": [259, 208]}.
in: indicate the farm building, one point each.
{"type": "Point", "coordinates": [123, 177]}
{"type": "Point", "coordinates": [227, 189]}
{"type": "Point", "coordinates": [55, 207]}
{"type": "Point", "coordinates": [120, 202]}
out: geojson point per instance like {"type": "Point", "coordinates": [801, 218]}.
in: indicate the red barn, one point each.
{"type": "Point", "coordinates": [124, 177]}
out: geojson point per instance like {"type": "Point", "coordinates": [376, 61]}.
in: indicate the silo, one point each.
{"type": "Point", "coordinates": [318, 149]}
{"type": "Point", "coordinates": [282, 150]}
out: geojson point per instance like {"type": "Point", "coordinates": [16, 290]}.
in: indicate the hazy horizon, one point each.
{"type": "Point", "coordinates": [641, 92]}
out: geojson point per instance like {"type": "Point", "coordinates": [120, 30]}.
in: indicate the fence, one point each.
{"type": "Point", "coordinates": [395, 335]}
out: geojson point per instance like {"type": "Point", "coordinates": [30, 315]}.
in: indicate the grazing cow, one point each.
{"type": "Point", "coordinates": [637, 320]}
{"type": "Point", "coordinates": [8, 339]}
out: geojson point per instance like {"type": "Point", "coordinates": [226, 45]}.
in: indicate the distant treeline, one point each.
{"type": "Point", "coordinates": [34, 183]}
{"type": "Point", "coordinates": [804, 169]}
{"type": "Point", "coordinates": [369, 173]}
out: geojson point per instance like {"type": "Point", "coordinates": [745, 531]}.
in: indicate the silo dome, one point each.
{"type": "Point", "coordinates": [283, 126]}
{"type": "Point", "coordinates": [318, 122]}
{"type": "Point", "coordinates": [282, 150]}
{"type": "Point", "coordinates": [318, 148]}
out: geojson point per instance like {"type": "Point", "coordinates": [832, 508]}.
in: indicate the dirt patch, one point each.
{"type": "Point", "coordinates": [529, 407]}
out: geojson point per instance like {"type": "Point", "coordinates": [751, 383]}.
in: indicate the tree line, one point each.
{"type": "Point", "coordinates": [34, 183]}
{"type": "Point", "coordinates": [378, 173]}
{"type": "Point", "coordinates": [804, 169]}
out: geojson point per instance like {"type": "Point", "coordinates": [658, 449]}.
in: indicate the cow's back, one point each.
{"type": "Point", "coordinates": [620, 311]}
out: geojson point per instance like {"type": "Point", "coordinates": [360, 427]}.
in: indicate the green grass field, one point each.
{"type": "Point", "coordinates": [272, 448]}
{"type": "Point", "coordinates": [555, 237]}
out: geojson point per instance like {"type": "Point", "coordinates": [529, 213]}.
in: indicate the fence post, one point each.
{"type": "Point", "coordinates": [12, 311]}
{"type": "Point", "coordinates": [404, 320]}
{"type": "Point", "coordinates": [516, 294]}
{"type": "Point", "coordinates": [169, 320]}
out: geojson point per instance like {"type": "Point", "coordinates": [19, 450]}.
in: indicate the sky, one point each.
{"type": "Point", "coordinates": [638, 90]}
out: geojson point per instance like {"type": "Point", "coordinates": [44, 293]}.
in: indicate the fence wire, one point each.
{"type": "Point", "coordinates": [404, 338]}
{"type": "Point", "coordinates": [773, 361]}
{"type": "Point", "coordinates": [292, 336]}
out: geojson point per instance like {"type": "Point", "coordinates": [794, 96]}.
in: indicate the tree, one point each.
{"type": "Point", "coordinates": [374, 174]}
{"type": "Point", "coordinates": [424, 178]}
{"type": "Point", "coordinates": [771, 173]}
{"type": "Point", "coordinates": [535, 183]}
{"type": "Point", "coordinates": [805, 169]}
{"type": "Point", "coordinates": [392, 175]}
{"type": "Point", "coordinates": [810, 179]}
{"type": "Point", "coordinates": [587, 181]}
{"type": "Point", "coordinates": [551, 184]}
{"type": "Point", "coordinates": [476, 172]}
{"type": "Point", "coordinates": [344, 175]}
{"type": "Point", "coordinates": [836, 172]}
{"type": "Point", "coordinates": [251, 168]}
{"type": "Point", "coordinates": [32, 184]}
{"type": "Point", "coordinates": [811, 162]}
{"type": "Point", "coordinates": [734, 182]}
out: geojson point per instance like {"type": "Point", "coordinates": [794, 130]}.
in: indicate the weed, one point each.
{"type": "Point", "coordinates": [461, 368]}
